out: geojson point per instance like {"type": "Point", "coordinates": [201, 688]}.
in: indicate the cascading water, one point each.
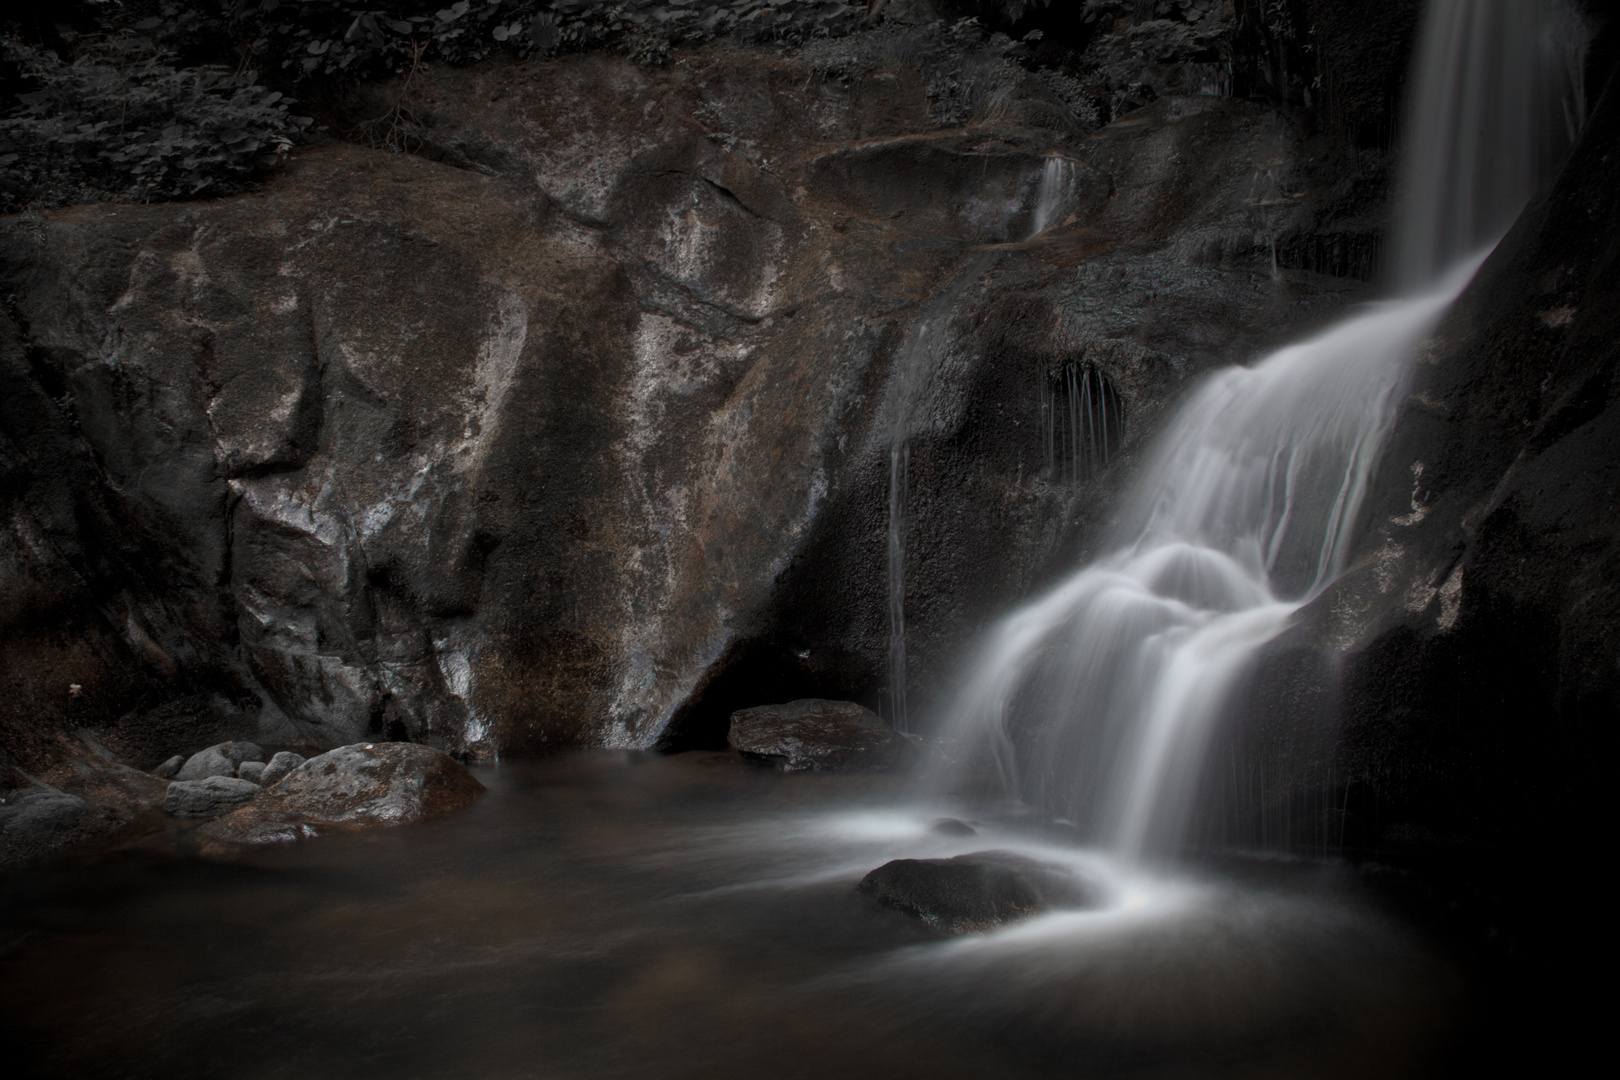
{"type": "Point", "coordinates": [1098, 699]}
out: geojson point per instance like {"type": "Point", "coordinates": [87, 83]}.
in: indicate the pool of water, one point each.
{"type": "Point", "coordinates": [626, 915]}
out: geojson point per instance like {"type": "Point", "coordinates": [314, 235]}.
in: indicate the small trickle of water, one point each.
{"type": "Point", "coordinates": [1053, 195]}
{"type": "Point", "coordinates": [899, 464]}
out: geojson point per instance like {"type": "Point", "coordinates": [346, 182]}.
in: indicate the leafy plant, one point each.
{"type": "Point", "coordinates": [120, 121]}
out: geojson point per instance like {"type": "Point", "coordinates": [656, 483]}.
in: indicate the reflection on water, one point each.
{"type": "Point", "coordinates": [620, 915]}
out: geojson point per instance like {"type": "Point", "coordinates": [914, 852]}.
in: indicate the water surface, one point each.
{"type": "Point", "coordinates": [625, 915]}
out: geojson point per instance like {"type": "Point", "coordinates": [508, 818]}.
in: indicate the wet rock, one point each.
{"type": "Point", "coordinates": [357, 786]}
{"type": "Point", "coordinates": [252, 770]}
{"type": "Point", "coordinates": [816, 734]}
{"type": "Point", "coordinates": [949, 826]}
{"type": "Point", "coordinates": [169, 769]}
{"type": "Point", "coordinates": [974, 893]}
{"type": "Point", "coordinates": [221, 759]}
{"type": "Point", "coordinates": [208, 796]}
{"type": "Point", "coordinates": [710, 335]}
{"type": "Point", "coordinates": [283, 763]}
{"type": "Point", "coordinates": [37, 814]}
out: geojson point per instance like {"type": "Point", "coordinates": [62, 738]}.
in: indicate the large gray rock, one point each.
{"type": "Point", "coordinates": [222, 759]}
{"type": "Point", "coordinates": [39, 813]}
{"type": "Point", "coordinates": [359, 786]}
{"type": "Point", "coordinates": [170, 769]}
{"type": "Point", "coordinates": [205, 763]}
{"type": "Point", "coordinates": [977, 892]}
{"type": "Point", "coordinates": [252, 770]}
{"type": "Point", "coordinates": [209, 796]}
{"type": "Point", "coordinates": [283, 763]}
{"type": "Point", "coordinates": [816, 734]}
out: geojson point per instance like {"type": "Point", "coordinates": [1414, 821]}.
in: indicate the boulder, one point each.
{"type": "Point", "coordinates": [222, 759]}
{"type": "Point", "coordinates": [208, 796]}
{"type": "Point", "coordinates": [283, 763]}
{"type": "Point", "coordinates": [816, 734]}
{"type": "Point", "coordinates": [38, 813]}
{"type": "Point", "coordinates": [169, 769]}
{"type": "Point", "coordinates": [252, 770]}
{"type": "Point", "coordinates": [363, 785]}
{"type": "Point", "coordinates": [977, 892]}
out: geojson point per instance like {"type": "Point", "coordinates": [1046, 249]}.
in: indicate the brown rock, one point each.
{"type": "Point", "coordinates": [367, 784]}
{"type": "Point", "coordinates": [815, 734]}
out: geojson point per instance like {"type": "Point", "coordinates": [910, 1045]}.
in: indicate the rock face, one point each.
{"type": "Point", "coordinates": [208, 796]}
{"type": "Point", "coordinates": [974, 893]}
{"type": "Point", "coordinates": [815, 734]}
{"type": "Point", "coordinates": [363, 785]}
{"type": "Point", "coordinates": [579, 432]}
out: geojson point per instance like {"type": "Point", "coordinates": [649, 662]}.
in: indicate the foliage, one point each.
{"type": "Point", "coordinates": [345, 39]}
{"type": "Point", "coordinates": [121, 121]}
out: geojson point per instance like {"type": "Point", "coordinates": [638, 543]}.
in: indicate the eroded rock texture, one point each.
{"type": "Point", "coordinates": [352, 787]}
{"type": "Point", "coordinates": [579, 433]}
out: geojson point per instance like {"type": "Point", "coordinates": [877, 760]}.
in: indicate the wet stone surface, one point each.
{"type": "Point", "coordinates": [975, 892]}
{"type": "Point", "coordinates": [815, 734]}
{"type": "Point", "coordinates": [362, 785]}
{"type": "Point", "coordinates": [208, 796]}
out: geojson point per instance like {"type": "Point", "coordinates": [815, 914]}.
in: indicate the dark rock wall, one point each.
{"type": "Point", "coordinates": [572, 428]}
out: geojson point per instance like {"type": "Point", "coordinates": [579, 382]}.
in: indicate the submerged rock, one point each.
{"type": "Point", "coordinates": [283, 763]}
{"type": "Point", "coordinates": [37, 814]}
{"type": "Point", "coordinates": [366, 784]}
{"type": "Point", "coordinates": [949, 826]}
{"type": "Point", "coordinates": [208, 796]}
{"type": "Point", "coordinates": [977, 892]}
{"type": "Point", "coordinates": [816, 734]}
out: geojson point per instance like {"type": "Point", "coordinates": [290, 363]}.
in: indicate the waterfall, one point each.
{"type": "Point", "coordinates": [1057, 182]}
{"type": "Point", "coordinates": [1098, 699]}
{"type": "Point", "coordinates": [1497, 99]}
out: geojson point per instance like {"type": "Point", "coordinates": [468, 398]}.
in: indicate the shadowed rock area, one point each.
{"type": "Point", "coordinates": [816, 734]}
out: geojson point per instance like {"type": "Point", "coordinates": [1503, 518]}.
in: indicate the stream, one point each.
{"type": "Point", "coordinates": [615, 914]}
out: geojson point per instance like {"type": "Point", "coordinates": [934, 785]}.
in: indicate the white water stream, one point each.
{"type": "Point", "coordinates": [1098, 699]}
